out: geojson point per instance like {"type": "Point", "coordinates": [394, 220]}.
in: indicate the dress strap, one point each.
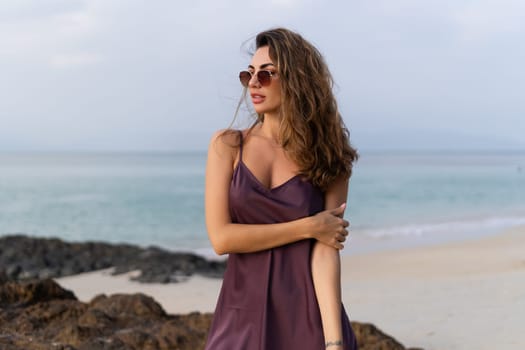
{"type": "Point", "coordinates": [240, 145]}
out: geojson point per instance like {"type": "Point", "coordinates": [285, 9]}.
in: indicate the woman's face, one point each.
{"type": "Point", "coordinates": [265, 99]}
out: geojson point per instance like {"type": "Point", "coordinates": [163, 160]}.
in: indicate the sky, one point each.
{"type": "Point", "coordinates": [128, 75]}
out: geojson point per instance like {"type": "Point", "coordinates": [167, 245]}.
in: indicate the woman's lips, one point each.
{"type": "Point", "coordinates": [257, 98]}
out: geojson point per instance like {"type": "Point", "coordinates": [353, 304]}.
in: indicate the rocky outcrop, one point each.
{"type": "Point", "coordinates": [40, 315]}
{"type": "Point", "coordinates": [25, 258]}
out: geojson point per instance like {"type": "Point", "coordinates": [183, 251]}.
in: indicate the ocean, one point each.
{"type": "Point", "coordinates": [157, 198]}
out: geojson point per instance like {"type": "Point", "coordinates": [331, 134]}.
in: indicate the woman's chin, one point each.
{"type": "Point", "coordinates": [264, 110]}
{"type": "Point", "coordinates": [259, 109]}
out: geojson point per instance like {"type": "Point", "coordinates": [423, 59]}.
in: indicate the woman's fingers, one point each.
{"type": "Point", "coordinates": [342, 237]}
{"type": "Point", "coordinates": [339, 210]}
{"type": "Point", "coordinates": [333, 227]}
{"type": "Point", "coordinates": [342, 229]}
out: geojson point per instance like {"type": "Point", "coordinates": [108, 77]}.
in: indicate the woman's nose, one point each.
{"type": "Point", "coordinates": [254, 82]}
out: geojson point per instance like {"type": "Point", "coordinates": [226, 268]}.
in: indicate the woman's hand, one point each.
{"type": "Point", "coordinates": [329, 228]}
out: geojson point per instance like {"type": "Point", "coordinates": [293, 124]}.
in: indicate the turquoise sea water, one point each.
{"type": "Point", "coordinates": [157, 198]}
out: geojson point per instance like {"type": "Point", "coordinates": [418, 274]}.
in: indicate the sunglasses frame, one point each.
{"type": "Point", "coordinates": [263, 82]}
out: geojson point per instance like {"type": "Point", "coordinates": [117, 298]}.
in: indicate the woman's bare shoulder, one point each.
{"type": "Point", "coordinates": [228, 137]}
{"type": "Point", "coordinates": [225, 142]}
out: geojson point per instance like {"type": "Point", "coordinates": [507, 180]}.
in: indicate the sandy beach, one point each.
{"type": "Point", "coordinates": [461, 295]}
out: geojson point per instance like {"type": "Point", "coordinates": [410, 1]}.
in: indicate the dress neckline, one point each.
{"type": "Point", "coordinates": [252, 175]}
{"type": "Point", "coordinates": [260, 184]}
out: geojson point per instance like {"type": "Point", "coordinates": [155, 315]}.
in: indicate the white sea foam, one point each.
{"type": "Point", "coordinates": [81, 197]}
{"type": "Point", "coordinates": [460, 227]}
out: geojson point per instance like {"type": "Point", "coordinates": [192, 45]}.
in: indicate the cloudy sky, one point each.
{"type": "Point", "coordinates": [162, 75]}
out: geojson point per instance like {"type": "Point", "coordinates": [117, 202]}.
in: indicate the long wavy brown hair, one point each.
{"type": "Point", "coordinates": [312, 131]}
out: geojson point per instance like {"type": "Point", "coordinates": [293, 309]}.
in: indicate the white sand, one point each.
{"type": "Point", "coordinates": [196, 294]}
{"type": "Point", "coordinates": [466, 295]}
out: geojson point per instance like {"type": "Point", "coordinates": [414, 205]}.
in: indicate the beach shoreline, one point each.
{"type": "Point", "coordinates": [468, 294]}
{"type": "Point", "coordinates": [457, 295]}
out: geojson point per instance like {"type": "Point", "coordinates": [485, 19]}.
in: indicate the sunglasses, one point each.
{"type": "Point", "coordinates": [264, 77]}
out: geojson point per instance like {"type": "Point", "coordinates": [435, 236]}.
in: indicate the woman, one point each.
{"type": "Point", "coordinates": [275, 197]}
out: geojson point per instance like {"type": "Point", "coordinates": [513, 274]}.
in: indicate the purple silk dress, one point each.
{"type": "Point", "coordinates": [267, 300]}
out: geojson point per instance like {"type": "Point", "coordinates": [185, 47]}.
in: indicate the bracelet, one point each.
{"type": "Point", "coordinates": [334, 343]}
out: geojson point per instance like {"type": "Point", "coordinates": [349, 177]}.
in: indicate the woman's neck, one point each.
{"type": "Point", "coordinates": [269, 128]}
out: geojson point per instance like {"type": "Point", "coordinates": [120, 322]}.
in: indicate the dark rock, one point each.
{"type": "Point", "coordinates": [25, 258]}
{"type": "Point", "coordinates": [125, 306]}
{"type": "Point", "coordinates": [40, 315]}
{"type": "Point", "coordinates": [3, 276]}
{"type": "Point", "coordinates": [47, 273]}
{"type": "Point", "coordinates": [369, 337]}
{"type": "Point", "coordinates": [14, 294]}
{"type": "Point", "coordinates": [53, 319]}
{"type": "Point", "coordinates": [12, 271]}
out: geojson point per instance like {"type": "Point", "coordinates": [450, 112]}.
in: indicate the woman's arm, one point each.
{"type": "Point", "coordinates": [227, 237]}
{"type": "Point", "coordinates": [326, 274]}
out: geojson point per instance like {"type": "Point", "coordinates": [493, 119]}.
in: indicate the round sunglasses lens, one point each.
{"type": "Point", "coordinates": [245, 77]}
{"type": "Point", "coordinates": [264, 77]}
